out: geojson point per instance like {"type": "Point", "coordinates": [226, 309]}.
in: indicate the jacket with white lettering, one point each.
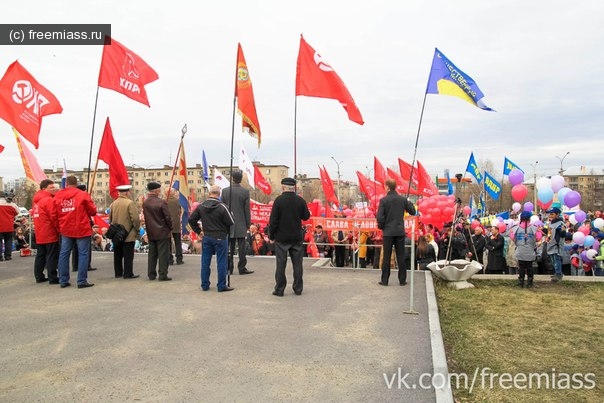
{"type": "Point", "coordinates": [74, 207]}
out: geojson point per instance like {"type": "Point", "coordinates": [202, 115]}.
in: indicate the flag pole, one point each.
{"type": "Point", "coordinates": [182, 136]}
{"type": "Point", "coordinates": [295, 129]}
{"type": "Point", "coordinates": [421, 118]}
{"type": "Point", "coordinates": [96, 101]}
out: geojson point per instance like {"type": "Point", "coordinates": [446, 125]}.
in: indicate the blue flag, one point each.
{"type": "Point", "coordinates": [508, 165]}
{"type": "Point", "coordinates": [472, 168]}
{"type": "Point", "coordinates": [492, 187]}
{"type": "Point", "coordinates": [206, 172]}
{"type": "Point", "coordinates": [64, 177]}
{"type": "Point", "coordinates": [447, 79]}
{"type": "Point", "coordinates": [184, 203]}
{"type": "Point", "coordinates": [449, 185]}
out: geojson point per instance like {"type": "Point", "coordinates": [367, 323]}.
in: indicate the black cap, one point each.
{"type": "Point", "coordinates": [153, 185]}
{"type": "Point", "coordinates": [288, 181]}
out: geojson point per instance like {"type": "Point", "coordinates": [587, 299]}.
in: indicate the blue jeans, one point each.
{"type": "Point", "coordinates": [83, 246]}
{"type": "Point", "coordinates": [557, 264]}
{"type": "Point", "coordinates": [209, 247]}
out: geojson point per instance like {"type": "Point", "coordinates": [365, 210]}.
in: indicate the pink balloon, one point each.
{"type": "Point", "coordinates": [519, 192]}
{"type": "Point", "coordinates": [502, 227]}
{"type": "Point", "coordinates": [583, 229]}
{"type": "Point", "coordinates": [467, 210]}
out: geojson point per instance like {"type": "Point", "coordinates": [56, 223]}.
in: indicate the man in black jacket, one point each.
{"type": "Point", "coordinates": [390, 219]}
{"type": "Point", "coordinates": [216, 220]}
{"type": "Point", "coordinates": [285, 228]}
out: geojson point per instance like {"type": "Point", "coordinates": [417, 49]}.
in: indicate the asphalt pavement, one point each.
{"type": "Point", "coordinates": [344, 339]}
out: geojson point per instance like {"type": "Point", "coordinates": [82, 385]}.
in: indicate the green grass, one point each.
{"type": "Point", "coordinates": [554, 329]}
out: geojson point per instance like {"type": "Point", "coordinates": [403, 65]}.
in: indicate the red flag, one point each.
{"type": "Point", "coordinates": [327, 184]}
{"type": "Point", "coordinates": [372, 190]}
{"type": "Point", "coordinates": [1, 148]}
{"type": "Point", "coordinates": [125, 72]}
{"type": "Point", "coordinates": [426, 186]}
{"type": "Point", "coordinates": [379, 173]}
{"type": "Point", "coordinates": [109, 153]}
{"type": "Point", "coordinates": [316, 78]}
{"type": "Point", "coordinates": [407, 172]}
{"type": "Point", "coordinates": [24, 102]}
{"type": "Point", "coordinates": [245, 98]}
{"type": "Point", "coordinates": [402, 186]}
{"type": "Point", "coordinates": [261, 181]}
{"type": "Point", "coordinates": [33, 171]}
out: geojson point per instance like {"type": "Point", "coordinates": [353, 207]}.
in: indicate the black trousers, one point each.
{"type": "Point", "coordinates": [123, 259]}
{"type": "Point", "coordinates": [525, 268]}
{"type": "Point", "coordinates": [399, 245]}
{"type": "Point", "coordinates": [241, 253]}
{"type": "Point", "coordinates": [176, 248]}
{"type": "Point", "coordinates": [340, 252]}
{"type": "Point", "coordinates": [7, 238]}
{"type": "Point", "coordinates": [296, 253]}
{"type": "Point", "coordinates": [47, 256]}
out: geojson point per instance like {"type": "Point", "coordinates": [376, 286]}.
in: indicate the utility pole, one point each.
{"type": "Point", "coordinates": [561, 172]}
{"type": "Point", "coordinates": [338, 164]}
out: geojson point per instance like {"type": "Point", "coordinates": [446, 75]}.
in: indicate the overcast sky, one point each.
{"type": "Point", "coordinates": [539, 64]}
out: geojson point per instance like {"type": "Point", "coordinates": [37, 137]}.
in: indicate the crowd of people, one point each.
{"type": "Point", "coordinates": [63, 229]}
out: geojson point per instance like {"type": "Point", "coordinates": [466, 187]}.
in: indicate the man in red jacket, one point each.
{"type": "Point", "coordinates": [46, 223]}
{"type": "Point", "coordinates": [74, 208]}
{"type": "Point", "coordinates": [8, 212]}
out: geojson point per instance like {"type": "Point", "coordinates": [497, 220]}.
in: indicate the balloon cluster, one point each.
{"type": "Point", "coordinates": [546, 189]}
{"type": "Point", "coordinates": [436, 210]}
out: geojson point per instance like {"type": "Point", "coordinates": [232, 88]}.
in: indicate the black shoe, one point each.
{"type": "Point", "coordinates": [277, 293]}
{"type": "Point", "coordinates": [85, 285]}
{"type": "Point", "coordinates": [246, 271]}
{"type": "Point", "coordinates": [152, 278]}
{"type": "Point", "coordinates": [8, 258]}
{"type": "Point", "coordinates": [403, 283]}
{"type": "Point", "coordinates": [164, 279]}
{"type": "Point", "coordinates": [42, 280]}
{"type": "Point", "coordinates": [56, 281]}
{"type": "Point", "coordinates": [180, 262]}
{"type": "Point", "coordinates": [298, 292]}
{"type": "Point", "coordinates": [171, 263]}
{"type": "Point", "coordinates": [380, 283]}
{"type": "Point", "coordinates": [64, 285]}
{"type": "Point", "coordinates": [132, 276]}
{"type": "Point", "coordinates": [91, 268]}
{"type": "Point", "coordinates": [118, 276]}
{"type": "Point", "coordinates": [205, 289]}
{"type": "Point", "coordinates": [226, 289]}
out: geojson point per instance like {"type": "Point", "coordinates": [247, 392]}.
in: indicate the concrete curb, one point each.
{"type": "Point", "coordinates": [439, 357]}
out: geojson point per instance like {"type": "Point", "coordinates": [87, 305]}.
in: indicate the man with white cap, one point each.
{"type": "Point", "coordinates": [123, 211]}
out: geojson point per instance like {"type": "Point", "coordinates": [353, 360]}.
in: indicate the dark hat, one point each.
{"type": "Point", "coordinates": [525, 216]}
{"type": "Point", "coordinates": [123, 188]}
{"type": "Point", "coordinates": [288, 181]}
{"type": "Point", "coordinates": [554, 210]}
{"type": "Point", "coordinates": [575, 247]}
{"type": "Point", "coordinates": [600, 235]}
{"type": "Point", "coordinates": [153, 185]}
{"type": "Point", "coordinates": [82, 187]}
{"type": "Point", "coordinates": [237, 176]}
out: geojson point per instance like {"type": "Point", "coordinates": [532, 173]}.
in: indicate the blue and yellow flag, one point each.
{"type": "Point", "coordinates": [447, 79]}
{"type": "Point", "coordinates": [449, 185]}
{"type": "Point", "coordinates": [508, 165]}
{"type": "Point", "coordinates": [492, 187]}
{"type": "Point", "coordinates": [472, 168]}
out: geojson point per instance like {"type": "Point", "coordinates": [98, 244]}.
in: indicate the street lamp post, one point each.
{"type": "Point", "coordinates": [535, 184]}
{"type": "Point", "coordinates": [562, 162]}
{"type": "Point", "coordinates": [338, 164]}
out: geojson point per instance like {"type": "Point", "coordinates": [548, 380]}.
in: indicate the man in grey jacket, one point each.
{"type": "Point", "coordinates": [237, 198]}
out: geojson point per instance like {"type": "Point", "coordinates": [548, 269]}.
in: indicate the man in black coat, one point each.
{"type": "Point", "coordinates": [285, 228]}
{"type": "Point", "coordinates": [237, 198]}
{"type": "Point", "coordinates": [390, 219]}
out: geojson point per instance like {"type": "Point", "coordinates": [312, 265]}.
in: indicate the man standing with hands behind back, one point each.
{"type": "Point", "coordinates": [159, 232]}
{"type": "Point", "coordinates": [237, 198]}
{"type": "Point", "coordinates": [123, 211]}
{"type": "Point", "coordinates": [391, 220]}
{"type": "Point", "coordinates": [285, 227]}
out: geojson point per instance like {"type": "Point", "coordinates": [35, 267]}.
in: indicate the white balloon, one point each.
{"type": "Point", "coordinates": [599, 223]}
{"type": "Point", "coordinates": [544, 183]}
{"type": "Point", "coordinates": [494, 222]}
{"type": "Point", "coordinates": [591, 254]}
{"type": "Point", "coordinates": [534, 219]}
{"type": "Point", "coordinates": [557, 183]}
{"type": "Point", "coordinates": [516, 207]}
{"type": "Point", "coordinates": [572, 219]}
